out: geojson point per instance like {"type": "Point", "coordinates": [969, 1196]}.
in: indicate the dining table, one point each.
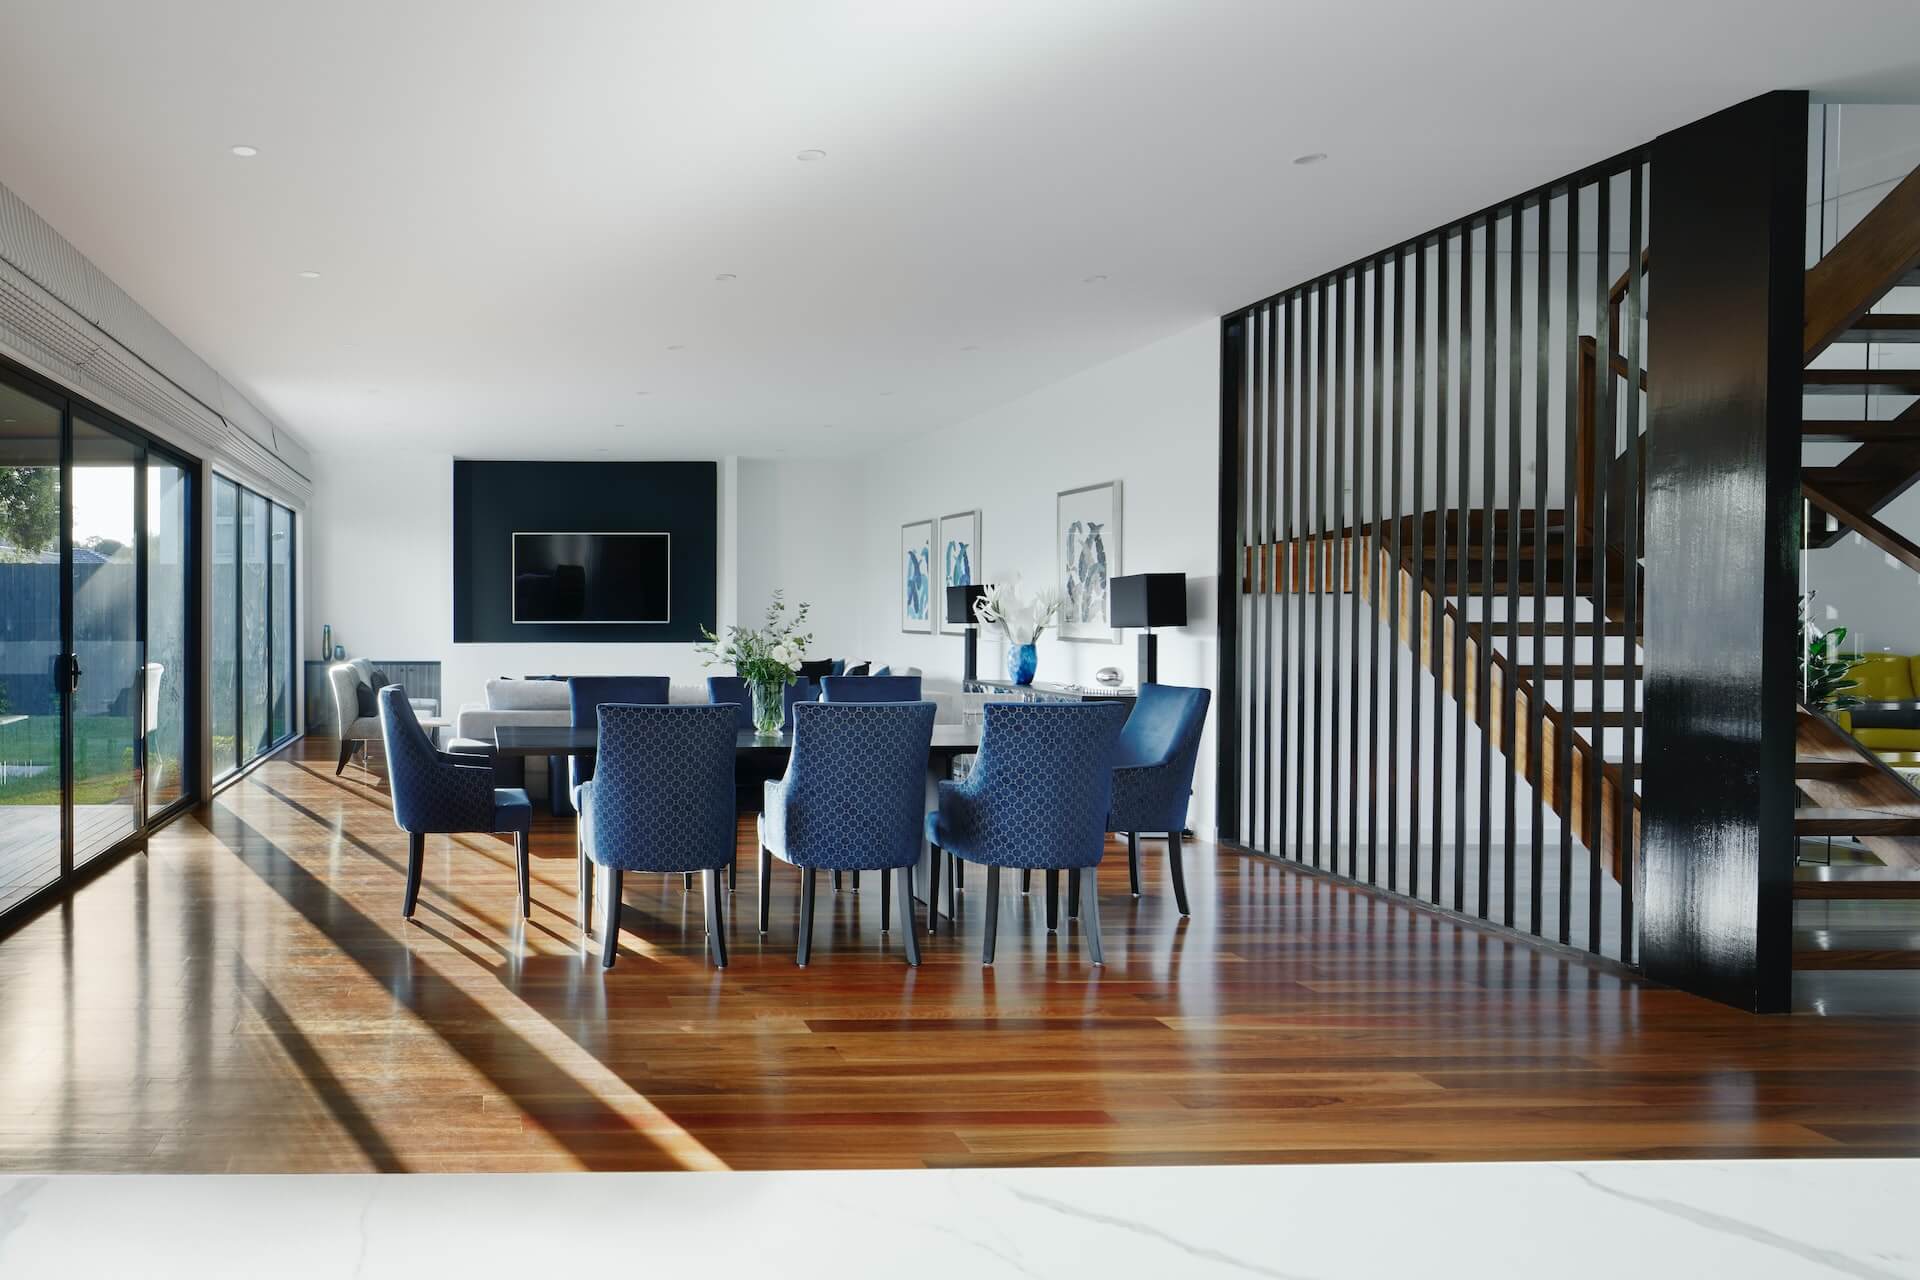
{"type": "Point", "coordinates": [763, 750]}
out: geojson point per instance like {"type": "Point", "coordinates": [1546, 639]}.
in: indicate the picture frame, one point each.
{"type": "Point", "coordinates": [1086, 549]}
{"type": "Point", "coordinates": [917, 577]}
{"type": "Point", "coordinates": [957, 562]}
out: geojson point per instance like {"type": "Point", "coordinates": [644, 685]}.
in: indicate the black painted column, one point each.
{"type": "Point", "coordinates": [1723, 527]}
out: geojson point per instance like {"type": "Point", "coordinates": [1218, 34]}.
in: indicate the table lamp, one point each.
{"type": "Point", "coordinates": [960, 610]}
{"type": "Point", "coordinates": [1148, 600]}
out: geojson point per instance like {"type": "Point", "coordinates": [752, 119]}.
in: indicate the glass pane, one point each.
{"type": "Point", "coordinates": [281, 552]}
{"type": "Point", "coordinates": [106, 639]}
{"type": "Point", "coordinates": [166, 691]}
{"type": "Point", "coordinates": [224, 642]}
{"type": "Point", "coordinates": [255, 733]}
{"type": "Point", "coordinates": [29, 642]}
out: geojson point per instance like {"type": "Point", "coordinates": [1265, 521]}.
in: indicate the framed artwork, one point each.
{"type": "Point", "coordinates": [1087, 542]}
{"type": "Point", "coordinates": [959, 562]}
{"type": "Point", "coordinates": [916, 576]}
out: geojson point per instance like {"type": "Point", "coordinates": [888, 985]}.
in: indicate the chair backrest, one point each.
{"type": "Point", "coordinates": [856, 784]}
{"type": "Point", "coordinates": [587, 694]}
{"type": "Point", "coordinates": [663, 791]}
{"type": "Point", "coordinates": [802, 690]}
{"type": "Point", "coordinates": [1164, 728]}
{"type": "Point", "coordinates": [345, 682]}
{"type": "Point", "coordinates": [1043, 780]}
{"type": "Point", "coordinates": [411, 759]}
{"type": "Point", "coordinates": [722, 689]}
{"type": "Point", "coordinates": [870, 689]}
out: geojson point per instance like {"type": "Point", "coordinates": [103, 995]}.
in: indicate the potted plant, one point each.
{"type": "Point", "coordinates": [767, 657]}
{"type": "Point", "coordinates": [1021, 619]}
{"type": "Point", "coordinates": [1826, 677]}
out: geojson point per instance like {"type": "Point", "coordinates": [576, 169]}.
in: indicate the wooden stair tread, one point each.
{"type": "Point", "coordinates": [1854, 958]}
{"type": "Point", "coordinates": [1855, 883]}
{"type": "Point", "coordinates": [1854, 822]}
{"type": "Point", "coordinates": [1883, 328]}
{"type": "Point", "coordinates": [1859, 431]}
{"type": "Point", "coordinates": [1833, 770]}
{"type": "Point", "coordinates": [1844, 382]}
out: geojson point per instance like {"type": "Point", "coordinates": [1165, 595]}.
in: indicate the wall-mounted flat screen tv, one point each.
{"type": "Point", "coordinates": [592, 577]}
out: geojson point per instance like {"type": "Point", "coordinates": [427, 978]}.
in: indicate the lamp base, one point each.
{"type": "Point", "coordinates": [1149, 658]}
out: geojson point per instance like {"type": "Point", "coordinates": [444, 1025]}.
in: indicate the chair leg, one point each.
{"type": "Point", "coordinates": [836, 882]}
{"type": "Point", "coordinates": [953, 886]}
{"type": "Point", "coordinates": [416, 858]}
{"type": "Point", "coordinates": [686, 882]}
{"type": "Point", "coordinates": [853, 879]}
{"type": "Point", "coordinates": [587, 872]}
{"type": "Point", "coordinates": [1073, 894]}
{"type": "Point", "coordinates": [610, 920]}
{"type": "Point", "coordinates": [733, 871]}
{"type": "Point", "coordinates": [909, 933]}
{"type": "Point", "coordinates": [766, 884]}
{"type": "Point", "coordinates": [1091, 925]}
{"type": "Point", "coordinates": [526, 874]}
{"type": "Point", "coordinates": [1179, 872]}
{"type": "Point", "coordinates": [993, 915]}
{"type": "Point", "coordinates": [1053, 900]}
{"type": "Point", "coordinates": [803, 951]}
{"type": "Point", "coordinates": [346, 754]}
{"type": "Point", "coordinates": [1026, 880]}
{"type": "Point", "coordinates": [934, 874]}
{"type": "Point", "coordinates": [1133, 862]}
{"type": "Point", "coordinates": [716, 922]}
{"type": "Point", "coordinates": [959, 875]}
{"type": "Point", "coordinates": [886, 903]}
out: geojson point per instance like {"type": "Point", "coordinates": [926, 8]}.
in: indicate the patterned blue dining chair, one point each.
{"type": "Point", "coordinates": [661, 800]}
{"type": "Point", "coordinates": [587, 694]}
{"type": "Point", "coordinates": [801, 690]}
{"type": "Point", "coordinates": [733, 690]}
{"type": "Point", "coordinates": [435, 792]}
{"type": "Point", "coordinates": [1153, 777]}
{"type": "Point", "coordinates": [1037, 799]}
{"type": "Point", "coordinates": [853, 799]}
{"type": "Point", "coordinates": [870, 689]}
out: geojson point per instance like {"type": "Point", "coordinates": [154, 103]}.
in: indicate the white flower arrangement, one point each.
{"type": "Point", "coordinates": [1020, 618]}
{"type": "Point", "coordinates": [763, 655]}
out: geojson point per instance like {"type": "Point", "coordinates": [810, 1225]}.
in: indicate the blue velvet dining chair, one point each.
{"type": "Point", "coordinates": [801, 690]}
{"type": "Point", "coordinates": [661, 800]}
{"type": "Point", "coordinates": [1036, 799]}
{"type": "Point", "coordinates": [853, 799]}
{"type": "Point", "coordinates": [870, 689]}
{"type": "Point", "coordinates": [1153, 777]}
{"type": "Point", "coordinates": [435, 792]}
{"type": "Point", "coordinates": [585, 696]}
{"type": "Point", "coordinates": [733, 690]}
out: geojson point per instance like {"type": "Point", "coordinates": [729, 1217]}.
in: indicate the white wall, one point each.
{"type": "Point", "coordinates": [1148, 419]}
{"type": "Point", "coordinates": [799, 522]}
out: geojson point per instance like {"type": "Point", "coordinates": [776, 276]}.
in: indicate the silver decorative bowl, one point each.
{"type": "Point", "coordinates": [1108, 676]}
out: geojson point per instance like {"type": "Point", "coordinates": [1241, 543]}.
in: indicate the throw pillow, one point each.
{"type": "Point", "coordinates": [369, 701]}
{"type": "Point", "coordinates": [857, 671]}
{"type": "Point", "coordinates": [380, 680]}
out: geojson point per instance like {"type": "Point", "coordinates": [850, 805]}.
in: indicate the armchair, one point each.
{"type": "Point", "coordinates": [661, 800]}
{"type": "Point", "coordinates": [1153, 775]}
{"type": "Point", "coordinates": [1037, 799]}
{"type": "Point", "coordinates": [438, 792]}
{"type": "Point", "coordinates": [853, 799]}
{"type": "Point", "coordinates": [355, 729]}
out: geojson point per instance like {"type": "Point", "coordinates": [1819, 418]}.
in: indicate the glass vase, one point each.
{"type": "Point", "coordinates": [1021, 663]}
{"type": "Point", "coordinates": [769, 706]}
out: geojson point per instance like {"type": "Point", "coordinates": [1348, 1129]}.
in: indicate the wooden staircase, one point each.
{"type": "Point", "coordinates": [1850, 792]}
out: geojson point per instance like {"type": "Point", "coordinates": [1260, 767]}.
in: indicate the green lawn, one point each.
{"type": "Point", "coordinates": [102, 759]}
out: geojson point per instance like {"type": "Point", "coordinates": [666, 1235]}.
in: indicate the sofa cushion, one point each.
{"type": "Point", "coordinates": [1882, 677]}
{"type": "Point", "coordinates": [527, 695]}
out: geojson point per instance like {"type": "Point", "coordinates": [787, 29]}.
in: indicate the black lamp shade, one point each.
{"type": "Point", "coordinates": [960, 605]}
{"type": "Point", "coordinates": [1148, 600]}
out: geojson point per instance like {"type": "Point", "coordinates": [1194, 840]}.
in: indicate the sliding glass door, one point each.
{"type": "Point", "coordinates": [253, 650]}
{"type": "Point", "coordinates": [96, 635]}
{"type": "Point", "coordinates": [32, 786]}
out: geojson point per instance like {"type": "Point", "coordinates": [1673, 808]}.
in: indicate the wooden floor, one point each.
{"type": "Point", "coordinates": [247, 997]}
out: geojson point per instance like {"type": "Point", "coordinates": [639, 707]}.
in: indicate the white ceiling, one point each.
{"type": "Point", "coordinates": [517, 208]}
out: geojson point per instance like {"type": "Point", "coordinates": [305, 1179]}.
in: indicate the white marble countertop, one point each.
{"type": "Point", "coordinates": [1745, 1219]}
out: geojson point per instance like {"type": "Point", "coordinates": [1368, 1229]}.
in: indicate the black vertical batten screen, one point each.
{"type": "Point", "coordinates": [1227, 744]}
{"type": "Point", "coordinates": [1723, 523]}
{"type": "Point", "coordinates": [1457, 450]}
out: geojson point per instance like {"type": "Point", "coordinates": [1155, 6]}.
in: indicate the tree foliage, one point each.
{"type": "Point", "coordinates": [29, 509]}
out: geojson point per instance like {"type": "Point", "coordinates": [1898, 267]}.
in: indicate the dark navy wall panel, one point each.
{"type": "Point", "coordinates": [494, 500]}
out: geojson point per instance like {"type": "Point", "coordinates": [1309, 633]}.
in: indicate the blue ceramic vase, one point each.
{"type": "Point", "coordinates": [1024, 659]}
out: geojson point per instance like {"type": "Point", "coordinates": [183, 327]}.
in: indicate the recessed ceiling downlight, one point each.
{"type": "Point", "coordinates": [1312, 157]}
{"type": "Point", "coordinates": [810, 154]}
{"type": "Point", "coordinates": [676, 346]}
{"type": "Point", "coordinates": [309, 275]}
{"type": "Point", "coordinates": [244, 151]}
{"type": "Point", "coordinates": [1094, 280]}
{"type": "Point", "coordinates": [725, 276]}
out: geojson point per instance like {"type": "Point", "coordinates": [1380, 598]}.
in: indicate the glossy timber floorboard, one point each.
{"type": "Point", "coordinates": [246, 996]}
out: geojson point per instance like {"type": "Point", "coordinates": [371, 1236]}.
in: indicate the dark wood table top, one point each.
{"type": "Point", "coordinates": [568, 740]}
